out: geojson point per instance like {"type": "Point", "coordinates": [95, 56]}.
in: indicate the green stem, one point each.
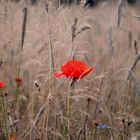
{"type": "Point", "coordinates": [16, 98]}
{"type": "Point", "coordinates": [5, 117]}
{"type": "Point", "coordinates": [71, 94]}
{"type": "Point", "coordinates": [69, 109]}
{"type": "Point", "coordinates": [17, 90]}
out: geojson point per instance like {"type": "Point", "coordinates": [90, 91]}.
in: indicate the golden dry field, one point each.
{"type": "Point", "coordinates": [36, 40]}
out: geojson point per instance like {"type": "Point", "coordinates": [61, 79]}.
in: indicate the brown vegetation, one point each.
{"type": "Point", "coordinates": [36, 40]}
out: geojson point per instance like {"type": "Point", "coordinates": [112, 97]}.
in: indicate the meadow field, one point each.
{"type": "Point", "coordinates": [36, 40]}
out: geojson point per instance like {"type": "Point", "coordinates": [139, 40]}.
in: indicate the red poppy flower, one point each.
{"type": "Point", "coordinates": [1, 85]}
{"type": "Point", "coordinates": [74, 69]}
{"type": "Point", "coordinates": [18, 81]}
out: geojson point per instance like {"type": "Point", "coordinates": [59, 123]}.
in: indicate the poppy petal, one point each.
{"type": "Point", "coordinates": [58, 74]}
{"type": "Point", "coordinates": [74, 69]}
{"type": "Point", "coordinates": [85, 73]}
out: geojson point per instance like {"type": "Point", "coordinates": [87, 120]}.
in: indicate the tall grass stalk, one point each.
{"type": "Point", "coordinates": [98, 99]}
{"type": "Point", "coordinates": [24, 24]}
{"type": "Point", "coordinates": [51, 59]}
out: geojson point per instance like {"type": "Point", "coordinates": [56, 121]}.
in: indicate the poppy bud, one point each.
{"type": "Point", "coordinates": [2, 85]}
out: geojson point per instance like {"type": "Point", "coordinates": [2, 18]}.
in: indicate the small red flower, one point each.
{"type": "Point", "coordinates": [1, 85]}
{"type": "Point", "coordinates": [18, 81]}
{"type": "Point", "coordinates": [74, 69]}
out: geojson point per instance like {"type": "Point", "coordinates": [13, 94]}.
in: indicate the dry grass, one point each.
{"type": "Point", "coordinates": [103, 37]}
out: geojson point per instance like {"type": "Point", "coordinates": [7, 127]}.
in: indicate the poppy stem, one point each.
{"type": "Point", "coordinates": [5, 117]}
{"type": "Point", "coordinates": [17, 91]}
{"type": "Point", "coordinates": [71, 93]}
{"type": "Point", "coordinates": [70, 97]}
{"type": "Point", "coordinates": [69, 109]}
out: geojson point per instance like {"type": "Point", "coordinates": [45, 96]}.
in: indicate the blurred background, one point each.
{"type": "Point", "coordinates": [37, 37]}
